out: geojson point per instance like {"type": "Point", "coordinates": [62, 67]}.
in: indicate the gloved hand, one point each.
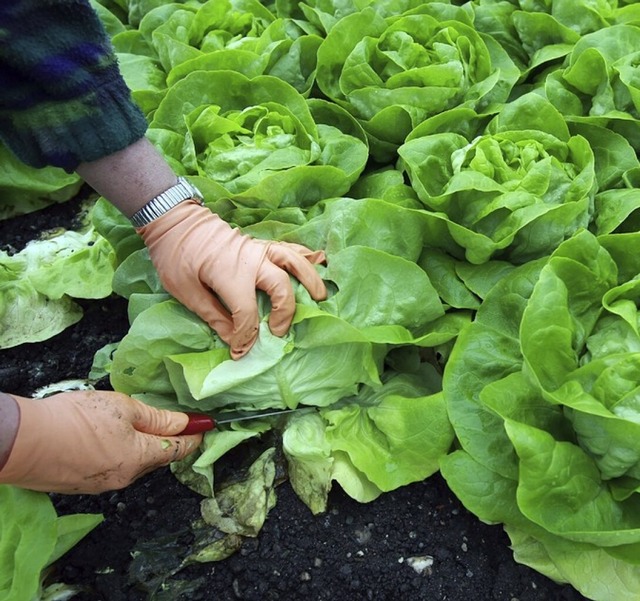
{"type": "Point", "coordinates": [91, 442]}
{"type": "Point", "coordinates": [214, 270]}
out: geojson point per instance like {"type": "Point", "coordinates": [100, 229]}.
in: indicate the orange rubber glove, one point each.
{"type": "Point", "coordinates": [214, 270]}
{"type": "Point", "coordinates": [91, 442]}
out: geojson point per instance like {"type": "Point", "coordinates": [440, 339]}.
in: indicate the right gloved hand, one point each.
{"type": "Point", "coordinates": [214, 270]}
{"type": "Point", "coordinates": [91, 442]}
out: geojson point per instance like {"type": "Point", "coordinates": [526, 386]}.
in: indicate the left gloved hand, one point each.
{"type": "Point", "coordinates": [214, 270]}
{"type": "Point", "coordinates": [91, 441]}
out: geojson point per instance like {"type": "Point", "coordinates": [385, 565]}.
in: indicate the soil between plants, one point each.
{"type": "Point", "coordinates": [352, 552]}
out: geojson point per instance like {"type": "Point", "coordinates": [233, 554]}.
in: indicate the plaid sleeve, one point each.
{"type": "Point", "coordinates": [62, 98]}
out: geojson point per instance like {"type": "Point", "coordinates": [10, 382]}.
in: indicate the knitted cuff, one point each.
{"type": "Point", "coordinates": [66, 134]}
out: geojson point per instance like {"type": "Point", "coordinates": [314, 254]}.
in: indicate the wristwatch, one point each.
{"type": "Point", "coordinates": [159, 205]}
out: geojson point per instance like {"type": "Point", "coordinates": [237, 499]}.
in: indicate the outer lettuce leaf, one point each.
{"type": "Point", "coordinates": [370, 222]}
{"type": "Point", "coordinates": [310, 462]}
{"type": "Point", "coordinates": [398, 442]}
{"type": "Point", "coordinates": [376, 288]}
{"type": "Point", "coordinates": [381, 439]}
{"type": "Point", "coordinates": [163, 329]}
{"type": "Point", "coordinates": [315, 370]}
{"type": "Point", "coordinates": [387, 184]}
{"type": "Point", "coordinates": [24, 189]}
{"type": "Point", "coordinates": [594, 571]}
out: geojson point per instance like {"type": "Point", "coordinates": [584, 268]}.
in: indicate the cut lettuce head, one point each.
{"type": "Point", "coordinates": [547, 419]}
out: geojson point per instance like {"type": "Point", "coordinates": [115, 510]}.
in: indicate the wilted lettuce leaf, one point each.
{"type": "Point", "coordinates": [37, 284]}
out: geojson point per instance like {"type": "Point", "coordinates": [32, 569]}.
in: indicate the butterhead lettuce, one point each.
{"type": "Point", "coordinates": [393, 73]}
{"type": "Point", "coordinates": [259, 139]}
{"type": "Point", "coordinates": [547, 420]}
{"type": "Point", "coordinates": [511, 190]}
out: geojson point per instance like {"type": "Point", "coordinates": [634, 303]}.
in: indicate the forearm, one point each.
{"type": "Point", "coordinates": [131, 177]}
{"type": "Point", "coordinates": [62, 98]}
{"type": "Point", "coordinates": [9, 422]}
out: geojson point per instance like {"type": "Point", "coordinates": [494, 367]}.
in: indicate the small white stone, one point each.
{"type": "Point", "coordinates": [421, 563]}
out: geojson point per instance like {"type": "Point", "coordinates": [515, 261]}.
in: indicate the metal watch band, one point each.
{"type": "Point", "coordinates": [159, 205]}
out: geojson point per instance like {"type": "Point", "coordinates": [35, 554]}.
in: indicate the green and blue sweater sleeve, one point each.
{"type": "Point", "coordinates": [62, 98]}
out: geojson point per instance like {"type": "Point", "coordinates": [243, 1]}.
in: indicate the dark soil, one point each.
{"type": "Point", "coordinates": [354, 551]}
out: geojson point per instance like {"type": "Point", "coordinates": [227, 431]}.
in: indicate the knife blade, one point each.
{"type": "Point", "coordinates": [202, 422]}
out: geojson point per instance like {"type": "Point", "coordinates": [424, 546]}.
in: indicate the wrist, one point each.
{"type": "Point", "coordinates": [130, 177]}
{"type": "Point", "coordinates": [9, 424]}
{"type": "Point", "coordinates": [165, 201]}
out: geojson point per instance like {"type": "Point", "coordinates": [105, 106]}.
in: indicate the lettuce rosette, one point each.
{"type": "Point", "coordinates": [321, 15]}
{"type": "Point", "coordinates": [598, 83]}
{"type": "Point", "coordinates": [356, 362]}
{"type": "Point", "coordinates": [511, 190]}
{"type": "Point", "coordinates": [392, 73]}
{"type": "Point", "coordinates": [542, 34]}
{"type": "Point", "coordinates": [541, 390]}
{"type": "Point", "coordinates": [172, 40]}
{"type": "Point", "coordinates": [258, 142]}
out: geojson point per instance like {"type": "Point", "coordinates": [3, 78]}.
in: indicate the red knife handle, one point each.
{"type": "Point", "coordinates": [198, 423]}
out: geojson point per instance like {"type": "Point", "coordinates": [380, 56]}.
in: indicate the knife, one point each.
{"type": "Point", "coordinates": [201, 422]}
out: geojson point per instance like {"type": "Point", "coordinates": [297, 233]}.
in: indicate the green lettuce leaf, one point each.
{"type": "Point", "coordinates": [38, 284]}
{"type": "Point", "coordinates": [33, 537]}
{"type": "Point", "coordinates": [24, 189]}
